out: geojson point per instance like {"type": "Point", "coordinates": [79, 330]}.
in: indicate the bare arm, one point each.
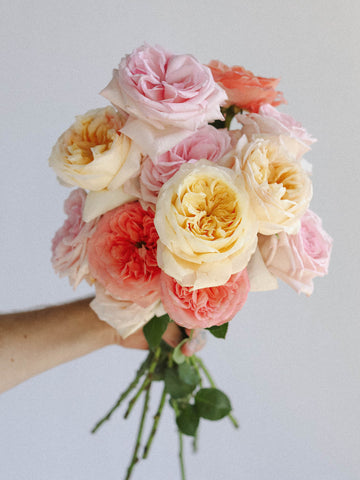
{"type": "Point", "coordinates": [35, 341]}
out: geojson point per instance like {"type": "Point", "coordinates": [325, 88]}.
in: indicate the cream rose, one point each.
{"type": "Point", "coordinates": [207, 228]}
{"type": "Point", "coordinates": [280, 189]}
{"type": "Point", "coordinates": [125, 316]}
{"type": "Point", "coordinates": [93, 155]}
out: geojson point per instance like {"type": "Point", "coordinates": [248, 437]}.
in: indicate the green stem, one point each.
{"type": "Point", "coordinates": [181, 456]}
{"type": "Point", "coordinates": [212, 383]}
{"type": "Point", "coordinates": [132, 386]}
{"type": "Point", "coordinates": [145, 383]}
{"type": "Point", "coordinates": [135, 458]}
{"type": "Point", "coordinates": [206, 371]}
{"type": "Point", "coordinates": [195, 442]}
{"type": "Point", "coordinates": [195, 365]}
{"type": "Point", "coordinates": [155, 424]}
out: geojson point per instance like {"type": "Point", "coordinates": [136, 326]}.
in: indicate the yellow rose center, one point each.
{"type": "Point", "coordinates": [273, 169]}
{"type": "Point", "coordinates": [208, 208]}
{"type": "Point", "coordinates": [90, 136]}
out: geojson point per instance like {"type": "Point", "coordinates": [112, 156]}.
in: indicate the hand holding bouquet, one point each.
{"type": "Point", "coordinates": [177, 217]}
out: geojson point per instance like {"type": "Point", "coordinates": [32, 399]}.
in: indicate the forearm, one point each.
{"type": "Point", "coordinates": [35, 341]}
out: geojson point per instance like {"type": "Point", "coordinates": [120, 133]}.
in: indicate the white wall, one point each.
{"type": "Point", "coordinates": [290, 364]}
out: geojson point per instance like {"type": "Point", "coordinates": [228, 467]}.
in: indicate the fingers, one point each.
{"type": "Point", "coordinates": [172, 335]}
{"type": "Point", "coordinates": [197, 342]}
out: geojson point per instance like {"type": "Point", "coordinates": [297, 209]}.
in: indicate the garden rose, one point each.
{"type": "Point", "coordinates": [207, 229]}
{"type": "Point", "coordinates": [297, 259]}
{"type": "Point", "coordinates": [92, 154]}
{"type": "Point", "coordinates": [280, 189]}
{"type": "Point", "coordinates": [69, 245]}
{"type": "Point", "coordinates": [204, 307]}
{"type": "Point", "coordinates": [122, 254]}
{"type": "Point", "coordinates": [167, 97]}
{"type": "Point", "coordinates": [270, 121]}
{"type": "Point", "coordinates": [244, 89]}
{"type": "Point", "coordinates": [207, 143]}
{"type": "Point", "coordinates": [125, 316]}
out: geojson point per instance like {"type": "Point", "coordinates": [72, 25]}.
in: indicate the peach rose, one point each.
{"type": "Point", "coordinates": [207, 228]}
{"type": "Point", "coordinates": [280, 189]}
{"type": "Point", "coordinates": [167, 97]}
{"type": "Point", "coordinates": [93, 155]}
{"type": "Point", "coordinates": [69, 245]}
{"type": "Point", "coordinates": [122, 254]}
{"type": "Point", "coordinates": [205, 307]}
{"type": "Point", "coordinates": [244, 89]}
{"type": "Point", "coordinates": [297, 259]}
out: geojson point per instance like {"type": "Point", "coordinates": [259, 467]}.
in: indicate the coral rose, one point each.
{"type": "Point", "coordinates": [167, 97]}
{"type": "Point", "coordinates": [91, 154]}
{"type": "Point", "coordinates": [205, 307]}
{"type": "Point", "coordinates": [297, 259]}
{"type": "Point", "coordinates": [122, 254]}
{"type": "Point", "coordinates": [69, 245]}
{"type": "Point", "coordinates": [125, 316]}
{"type": "Point", "coordinates": [207, 229]}
{"type": "Point", "coordinates": [207, 143]}
{"type": "Point", "coordinates": [244, 89]}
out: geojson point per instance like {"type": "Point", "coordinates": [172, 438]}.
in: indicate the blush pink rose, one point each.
{"type": "Point", "coordinates": [270, 121]}
{"type": "Point", "coordinates": [207, 143]}
{"type": "Point", "coordinates": [244, 89]}
{"type": "Point", "coordinates": [167, 97]}
{"type": "Point", "coordinates": [297, 259]}
{"type": "Point", "coordinates": [122, 254]}
{"type": "Point", "coordinates": [69, 245]}
{"type": "Point", "coordinates": [204, 307]}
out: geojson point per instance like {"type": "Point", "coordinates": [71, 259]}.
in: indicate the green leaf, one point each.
{"type": "Point", "coordinates": [188, 374]}
{"type": "Point", "coordinates": [175, 386]}
{"type": "Point", "coordinates": [155, 329]}
{"type": "Point", "coordinates": [178, 356]}
{"type": "Point", "coordinates": [219, 331]}
{"type": "Point", "coordinates": [188, 420]}
{"type": "Point", "coordinates": [212, 404]}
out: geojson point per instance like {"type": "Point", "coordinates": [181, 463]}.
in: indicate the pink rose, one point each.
{"type": "Point", "coordinates": [167, 97]}
{"type": "Point", "coordinates": [207, 143]}
{"type": "Point", "coordinates": [244, 89]}
{"type": "Point", "coordinates": [270, 121]}
{"type": "Point", "coordinates": [204, 307]}
{"type": "Point", "coordinates": [297, 259]}
{"type": "Point", "coordinates": [122, 254]}
{"type": "Point", "coordinates": [69, 245]}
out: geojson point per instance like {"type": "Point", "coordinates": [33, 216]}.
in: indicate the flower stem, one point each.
{"type": "Point", "coordinates": [135, 458]}
{"type": "Point", "coordinates": [145, 383]}
{"type": "Point", "coordinates": [132, 386]}
{"type": "Point", "coordinates": [155, 424]}
{"type": "Point", "coordinates": [212, 383]}
{"type": "Point", "coordinates": [181, 456]}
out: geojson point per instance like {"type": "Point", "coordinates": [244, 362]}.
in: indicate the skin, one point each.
{"type": "Point", "coordinates": [34, 341]}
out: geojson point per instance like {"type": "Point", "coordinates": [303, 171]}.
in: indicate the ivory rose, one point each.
{"type": "Point", "coordinates": [204, 307]}
{"type": "Point", "coordinates": [125, 316]}
{"type": "Point", "coordinates": [207, 229]}
{"type": "Point", "coordinates": [270, 121]}
{"type": "Point", "coordinates": [207, 143]}
{"type": "Point", "coordinates": [122, 254]}
{"type": "Point", "coordinates": [280, 189]}
{"type": "Point", "coordinates": [244, 89]}
{"type": "Point", "coordinates": [297, 259]}
{"type": "Point", "coordinates": [167, 96]}
{"type": "Point", "coordinates": [93, 154]}
{"type": "Point", "coordinates": [69, 245]}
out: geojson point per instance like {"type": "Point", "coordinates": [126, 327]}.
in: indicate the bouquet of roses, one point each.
{"type": "Point", "coordinates": [176, 217]}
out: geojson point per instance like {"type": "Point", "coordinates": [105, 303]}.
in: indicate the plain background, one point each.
{"type": "Point", "coordinates": [291, 364]}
